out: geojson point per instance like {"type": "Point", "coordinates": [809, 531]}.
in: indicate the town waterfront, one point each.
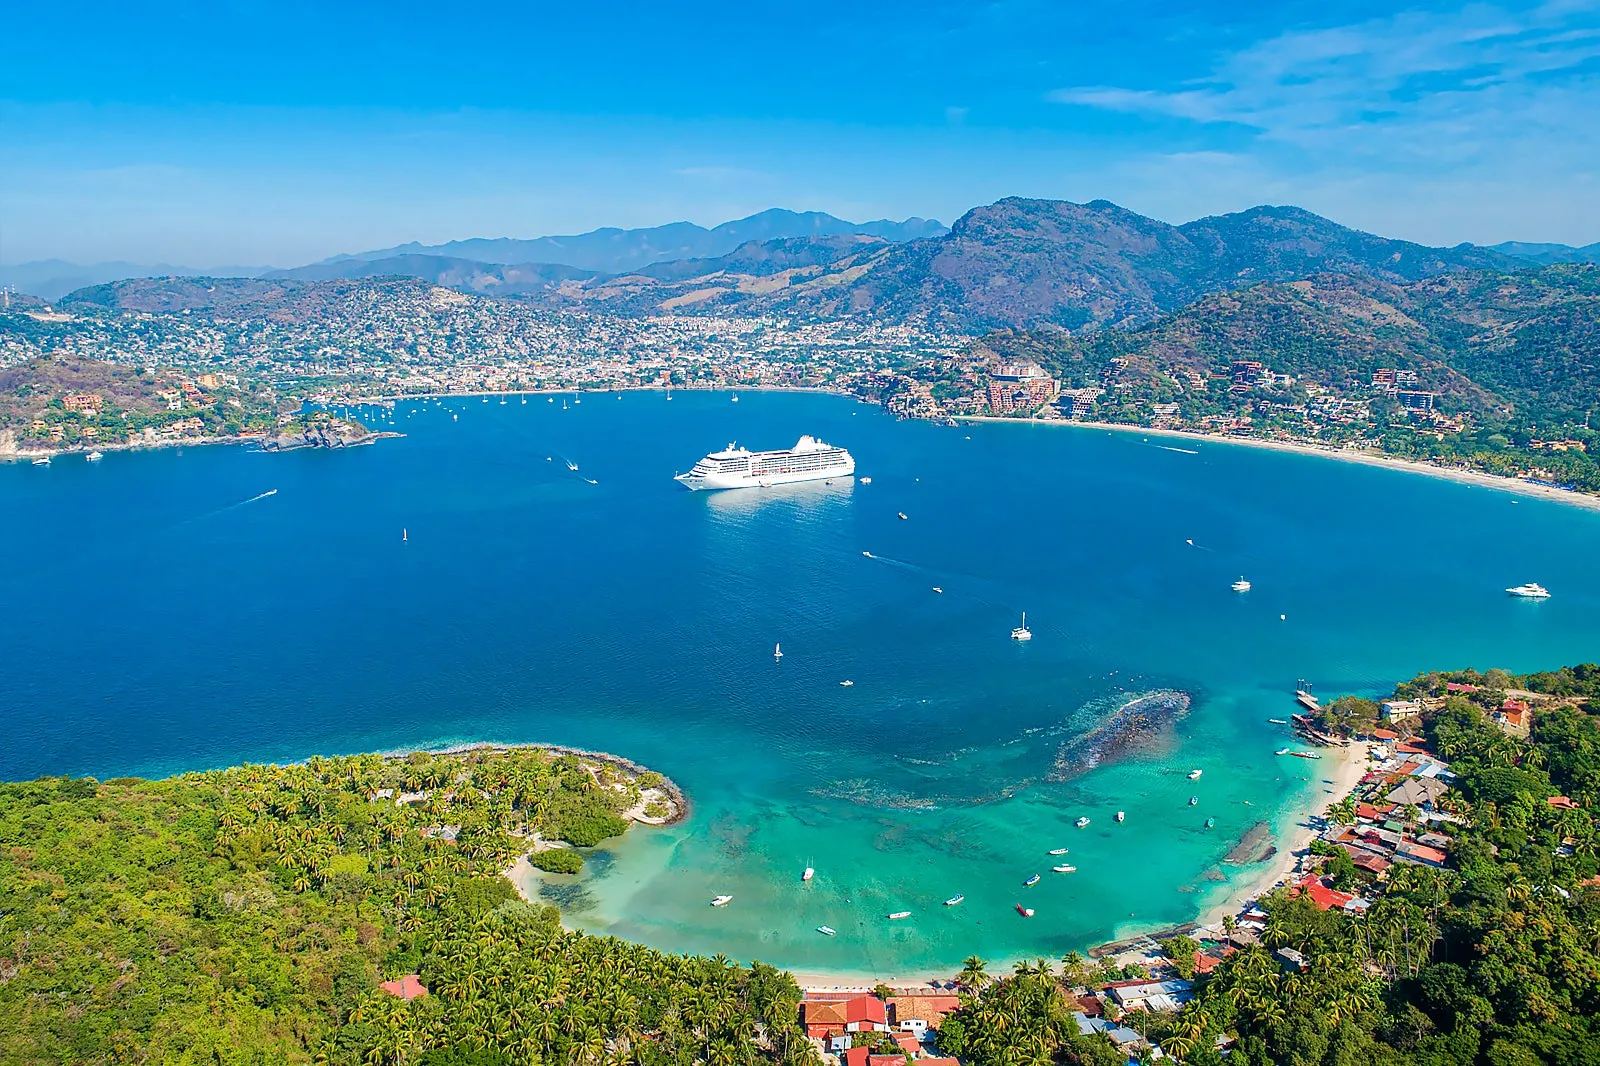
{"type": "Point", "coordinates": [162, 615]}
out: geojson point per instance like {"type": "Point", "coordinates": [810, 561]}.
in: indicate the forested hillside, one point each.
{"type": "Point", "coordinates": [249, 916]}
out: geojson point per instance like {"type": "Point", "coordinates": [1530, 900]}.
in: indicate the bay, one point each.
{"type": "Point", "coordinates": [161, 614]}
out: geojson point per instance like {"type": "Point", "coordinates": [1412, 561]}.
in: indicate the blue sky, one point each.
{"type": "Point", "coordinates": [250, 132]}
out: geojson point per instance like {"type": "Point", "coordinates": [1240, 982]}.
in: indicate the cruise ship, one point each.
{"type": "Point", "coordinates": [739, 468]}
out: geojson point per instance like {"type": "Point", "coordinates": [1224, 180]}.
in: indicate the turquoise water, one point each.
{"type": "Point", "coordinates": [154, 621]}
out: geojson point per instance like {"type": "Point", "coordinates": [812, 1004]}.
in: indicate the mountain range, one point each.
{"type": "Point", "coordinates": [614, 251]}
{"type": "Point", "coordinates": [1018, 261]}
{"type": "Point", "coordinates": [1015, 263]}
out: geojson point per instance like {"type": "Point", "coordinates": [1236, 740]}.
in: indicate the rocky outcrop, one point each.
{"type": "Point", "coordinates": [330, 434]}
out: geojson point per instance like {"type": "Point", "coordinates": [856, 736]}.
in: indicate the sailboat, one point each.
{"type": "Point", "coordinates": [777, 651]}
{"type": "Point", "coordinates": [1022, 632]}
{"type": "Point", "coordinates": [403, 537]}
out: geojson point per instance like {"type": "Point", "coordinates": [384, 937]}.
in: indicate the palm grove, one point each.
{"type": "Point", "coordinates": [248, 915]}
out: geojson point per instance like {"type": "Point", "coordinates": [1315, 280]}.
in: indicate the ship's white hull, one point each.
{"type": "Point", "coordinates": [749, 481]}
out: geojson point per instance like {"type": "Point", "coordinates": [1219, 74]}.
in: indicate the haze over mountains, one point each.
{"type": "Point", "coordinates": [612, 251]}
{"type": "Point", "coordinates": [1015, 263]}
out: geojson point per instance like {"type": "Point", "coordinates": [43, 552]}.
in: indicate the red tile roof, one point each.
{"type": "Point", "coordinates": [908, 1043]}
{"type": "Point", "coordinates": [408, 987]}
{"type": "Point", "coordinates": [886, 1060]}
{"type": "Point", "coordinates": [1457, 686]}
{"type": "Point", "coordinates": [930, 1009]}
{"type": "Point", "coordinates": [1384, 734]}
{"type": "Point", "coordinates": [827, 1013]}
{"type": "Point", "coordinates": [856, 1056]}
{"type": "Point", "coordinates": [1324, 897]}
{"type": "Point", "coordinates": [866, 1009]}
{"type": "Point", "coordinates": [1562, 803]}
{"type": "Point", "coordinates": [1204, 963]}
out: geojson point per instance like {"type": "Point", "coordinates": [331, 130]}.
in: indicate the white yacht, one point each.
{"type": "Point", "coordinates": [96, 456]}
{"type": "Point", "coordinates": [1241, 585]}
{"type": "Point", "coordinates": [1022, 632]}
{"type": "Point", "coordinates": [739, 468]}
{"type": "Point", "coordinates": [1194, 775]}
{"type": "Point", "coordinates": [1530, 591]}
{"type": "Point", "coordinates": [43, 460]}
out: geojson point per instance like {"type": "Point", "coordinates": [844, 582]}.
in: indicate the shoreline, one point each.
{"type": "Point", "coordinates": [1349, 767]}
{"type": "Point", "coordinates": [1345, 775]}
{"type": "Point", "coordinates": [1460, 475]}
{"type": "Point", "coordinates": [18, 455]}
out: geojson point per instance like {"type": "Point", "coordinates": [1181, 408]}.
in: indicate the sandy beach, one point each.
{"type": "Point", "coordinates": [1344, 767]}
{"type": "Point", "coordinates": [1517, 486]}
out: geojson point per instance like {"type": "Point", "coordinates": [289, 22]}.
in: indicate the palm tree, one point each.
{"type": "Point", "coordinates": [973, 977]}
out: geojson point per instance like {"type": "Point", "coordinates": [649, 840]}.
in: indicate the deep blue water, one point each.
{"type": "Point", "coordinates": [152, 621]}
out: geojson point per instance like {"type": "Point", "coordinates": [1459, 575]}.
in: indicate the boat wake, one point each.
{"type": "Point", "coordinates": [227, 507]}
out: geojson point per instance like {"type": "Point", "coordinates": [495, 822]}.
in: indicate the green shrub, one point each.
{"type": "Point", "coordinates": [557, 861]}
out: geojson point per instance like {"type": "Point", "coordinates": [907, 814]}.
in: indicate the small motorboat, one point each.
{"type": "Point", "coordinates": [1026, 912]}
{"type": "Point", "coordinates": [939, 590]}
{"type": "Point", "coordinates": [866, 481]}
{"type": "Point", "coordinates": [899, 916]}
{"type": "Point", "coordinates": [902, 515]}
{"type": "Point", "coordinates": [808, 875]}
{"type": "Point", "coordinates": [1281, 751]}
{"type": "Point", "coordinates": [1065, 869]}
{"type": "Point", "coordinates": [1194, 775]}
{"type": "Point", "coordinates": [96, 456]}
{"type": "Point", "coordinates": [955, 901]}
{"type": "Point", "coordinates": [1241, 585]}
{"type": "Point", "coordinates": [1193, 800]}
{"type": "Point", "coordinates": [1081, 822]}
{"type": "Point", "coordinates": [846, 683]}
{"type": "Point", "coordinates": [1211, 823]}
{"type": "Point", "coordinates": [1277, 721]}
{"type": "Point", "coordinates": [1057, 851]}
{"type": "Point", "coordinates": [1030, 882]}
{"type": "Point", "coordinates": [1122, 816]}
{"type": "Point", "coordinates": [43, 460]}
{"type": "Point", "coordinates": [721, 901]}
{"type": "Point", "coordinates": [827, 930]}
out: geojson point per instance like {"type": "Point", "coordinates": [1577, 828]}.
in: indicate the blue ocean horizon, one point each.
{"type": "Point", "coordinates": [163, 616]}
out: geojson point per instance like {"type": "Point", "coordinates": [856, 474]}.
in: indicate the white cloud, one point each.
{"type": "Point", "coordinates": [1442, 88]}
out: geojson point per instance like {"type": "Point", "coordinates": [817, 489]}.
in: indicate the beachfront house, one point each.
{"type": "Point", "coordinates": [1400, 710]}
{"type": "Point", "coordinates": [1151, 995]}
{"type": "Point", "coordinates": [830, 1019]}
